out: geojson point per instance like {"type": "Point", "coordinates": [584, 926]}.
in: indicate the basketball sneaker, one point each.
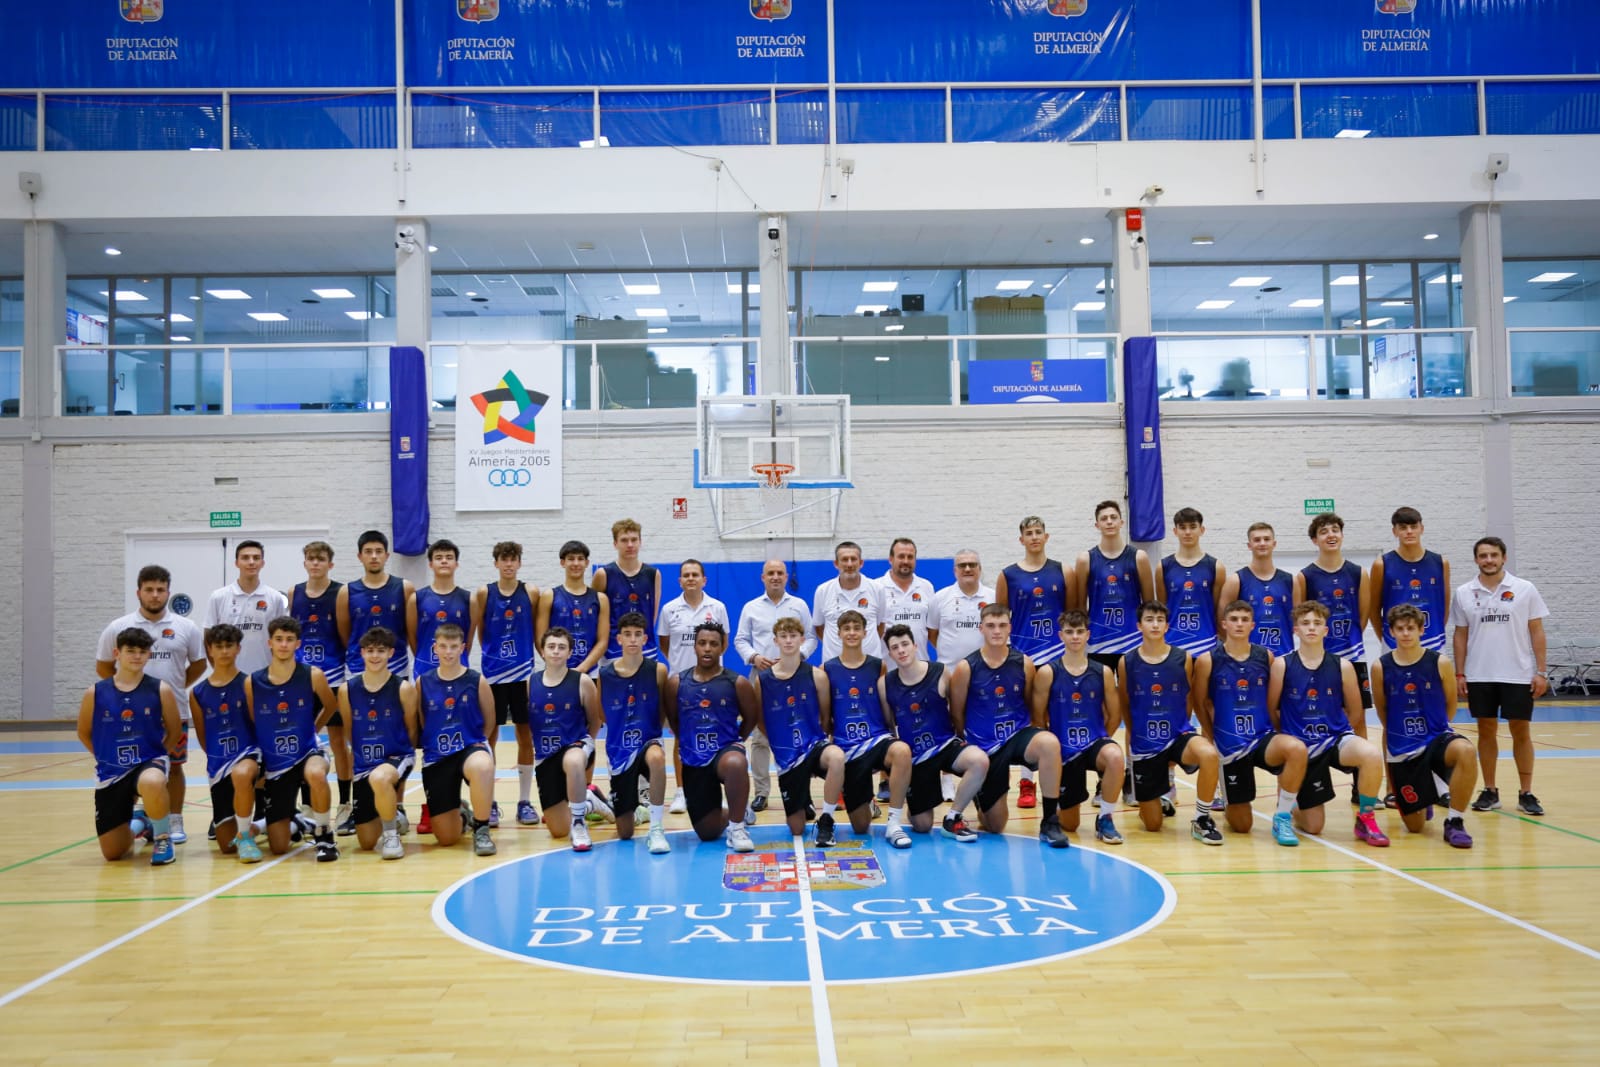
{"type": "Point", "coordinates": [390, 846]}
{"type": "Point", "coordinates": [1027, 795]}
{"type": "Point", "coordinates": [739, 839]}
{"type": "Point", "coordinates": [425, 824]}
{"type": "Point", "coordinates": [327, 851]}
{"type": "Point", "coordinates": [956, 827]}
{"type": "Point", "coordinates": [494, 815]}
{"type": "Point", "coordinates": [178, 834]}
{"type": "Point", "coordinates": [656, 841]}
{"type": "Point", "coordinates": [163, 854]}
{"type": "Point", "coordinates": [249, 851]}
{"type": "Point", "coordinates": [680, 803]}
{"type": "Point", "coordinates": [823, 836]}
{"type": "Point", "coordinates": [1105, 830]}
{"type": "Point", "coordinates": [344, 821]}
{"type": "Point", "coordinates": [1367, 830]}
{"type": "Point", "coordinates": [527, 814]}
{"type": "Point", "coordinates": [1050, 833]}
{"type": "Point", "coordinates": [1203, 830]}
{"type": "Point", "coordinates": [1455, 834]}
{"type": "Point", "coordinates": [1527, 803]}
{"type": "Point", "coordinates": [580, 836]}
{"type": "Point", "coordinates": [482, 843]}
{"type": "Point", "coordinates": [599, 806]}
{"type": "Point", "coordinates": [1283, 830]}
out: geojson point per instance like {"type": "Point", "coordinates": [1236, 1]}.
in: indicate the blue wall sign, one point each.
{"type": "Point", "coordinates": [1033, 381]}
{"type": "Point", "coordinates": [703, 914]}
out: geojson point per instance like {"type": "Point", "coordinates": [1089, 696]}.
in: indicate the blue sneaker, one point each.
{"type": "Point", "coordinates": [1105, 830]}
{"type": "Point", "coordinates": [248, 850]}
{"type": "Point", "coordinates": [527, 815]}
{"type": "Point", "coordinates": [163, 853]}
{"type": "Point", "coordinates": [1283, 829]}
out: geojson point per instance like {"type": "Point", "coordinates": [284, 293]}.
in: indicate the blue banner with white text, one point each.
{"type": "Point", "coordinates": [408, 449]}
{"type": "Point", "coordinates": [1142, 424]}
{"type": "Point", "coordinates": [1036, 381]}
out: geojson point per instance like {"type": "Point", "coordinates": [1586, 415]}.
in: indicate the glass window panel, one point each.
{"type": "Point", "coordinates": [299, 120]}
{"type": "Point", "coordinates": [1553, 312]}
{"type": "Point", "coordinates": [133, 123]}
{"type": "Point", "coordinates": [310, 379]}
{"type": "Point", "coordinates": [461, 119]}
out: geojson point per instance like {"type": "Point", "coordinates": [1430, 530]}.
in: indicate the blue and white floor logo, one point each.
{"type": "Point", "coordinates": [701, 914]}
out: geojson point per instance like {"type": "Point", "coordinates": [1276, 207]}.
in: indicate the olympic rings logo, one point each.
{"type": "Point", "coordinates": [509, 476]}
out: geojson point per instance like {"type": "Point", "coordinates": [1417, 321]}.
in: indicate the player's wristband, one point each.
{"type": "Point", "coordinates": [1460, 676]}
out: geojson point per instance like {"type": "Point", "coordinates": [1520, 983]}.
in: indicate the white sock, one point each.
{"type": "Point", "coordinates": [895, 815]}
{"type": "Point", "coordinates": [1027, 774]}
{"type": "Point", "coordinates": [580, 809]}
{"type": "Point", "coordinates": [1107, 807]}
{"type": "Point", "coordinates": [525, 783]}
{"type": "Point", "coordinates": [827, 808]}
{"type": "Point", "coordinates": [1462, 814]}
{"type": "Point", "coordinates": [243, 823]}
{"type": "Point", "coordinates": [1285, 802]}
{"type": "Point", "coordinates": [732, 826]}
{"type": "Point", "coordinates": [658, 812]}
{"type": "Point", "coordinates": [1202, 807]}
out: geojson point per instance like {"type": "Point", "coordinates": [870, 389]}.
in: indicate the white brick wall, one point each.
{"type": "Point", "coordinates": [10, 581]}
{"type": "Point", "coordinates": [1557, 509]}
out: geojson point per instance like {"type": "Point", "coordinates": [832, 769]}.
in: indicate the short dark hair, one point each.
{"type": "Point", "coordinates": [1493, 542]}
{"type": "Point", "coordinates": [1327, 518]}
{"type": "Point", "coordinates": [556, 631]}
{"type": "Point", "coordinates": [898, 541]}
{"type": "Point", "coordinates": [854, 617]}
{"type": "Point", "coordinates": [1238, 605]}
{"type": "Point", "coordinates": [1406, 613]}
{"type": "Point", "coordinates": [692, 563]}
{"type": "Point", "coordinates": [285, 623]}
{"type": "Point", "coordinates": [714, 627]}
{"type": "Point", "coordinates": [443, 545]}
{"type": "Point", "coordinates": [634, 619]}
{"type": "Point", "coordinates": [1405, 517]}
{"type": "Point", "coordinates": [507, 550]}
{"type": "Point", "coordinates": [1030, 520]}
{"type": "Point", "coordinates": [369, 536]}
{"type": "Point", "coordinates": [573, 548]}
{"type": "Point", "coordinates": [899, 629]}
{"type": "Point", "coordinates": [154, 572]}
{"type": "Point", "coordinates": [379, 637]}
{"type": "Point", "coordinates": [242, 545]}
{"type": "Point", "coordinates": [1153, 607]}
{"type": "Point", "coordinates": [1075, 619]}
{"type": "Point", "coordinates": [224, 633]}
{"type": "Point", "coordinates": [1112, 504]}
{"type": "Point", "coordinates": [1310, 607]}
{"type": "Point", "coordinates": [994, 609]}
{"type": "Point", "coordinates": [133, 637]}
{"type": "Point", "coordinates": [1188, 517]}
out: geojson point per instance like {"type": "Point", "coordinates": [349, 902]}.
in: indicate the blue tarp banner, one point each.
{"type": "Point", "coordinates": [408, 449]}
{"type": "Point", "coordinates": [1036, 381]}
{"type": "Point", "coordinates": [1142, 417]}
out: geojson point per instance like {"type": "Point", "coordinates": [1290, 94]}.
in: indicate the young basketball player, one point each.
{"type": "Point", "coordinates": [432, 606]}
{"type": "Point", "coordinates": [755, 645]}
{"type": "Point", "coordinates": [1036, 591]}
{"type": "Point", "coordinates": [630, 697]}
{"type": "Point", "coordinates": [129, 723]}
{"type": "Point", "coordinates": [1188, 582]}
{"type": "Point", "coordinates": [1341, 586]}
{"type": "Point", "coordinates": [854, 716]}
{"type": "Point", "coordinates": [1113, 578]}
{"type": "Point", "coordinates": [1268, 590]}
{"type": "Point", "coordinates": [1077, 696]}
{"type": "Point", "coordinates": [916, 698]}
{"type": "Point", "coordinates": [793, 696]}
{"type": "Point", "coordinates": [564, 714]}
{"type": "Point", "coordinates": [289, 703]}
{"type": "Point", "coordinates": [1230, 685]}
{"type": "Point", "coordinates": [220, 705]}
{"type": "Point", "coordinates": [675, 632]}
{"type": "Point", "coordinates": [314, 604]}
{"type": "Point", "coordinates": [375, 704]}
{"type": "Point", "coordinates": [711, 711]}
{"type": "Point", "coordinates": [503, 616]}
{"type": "Point", "coordinates": [377, 598]}
{"type": "Point", "coordinates": [630, 585]}
{"type": "Point", "coordinates": [1411, 574]}
{"type": "Point", "coordinates": [452, 718]}
{"type": "Point", "coordinates": [576, 607]}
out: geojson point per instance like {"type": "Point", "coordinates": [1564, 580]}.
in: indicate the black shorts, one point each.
{"type": "Point", "coordinates": [794, 784]}
{"type": "Point", "coordinates": [113, 804]}
{"type": "Point", "coordinates": [858, 789]}
{"type": "Point", "coordinates": [997, 783]}
{"type": "Point", "coordinates": [625, 784]}
{"type": "Point", "coordinates": [1318, 786]}
{"type": "Point", "coordinates": [1363, 683]}
{"type": "Point", "coordinates": [510, 702]}
{"type": "Point", "coordinates": [1412, 779]}
{"type": "Point", "coordinates": [1239, 776]}
{"type": "Point", "coordinates": [283, 792]}
{"type": "Point", "coordinates": [1150, 773]}
{"type": "Point", "coordinates": [702, 786]}
{"type": "Point", "coordinates": [927, 792]}
{"type": "Point", "coordinates": [551, 776]}
{"type": "Point", "coordinates": [1512, 701]}
{"type": "Point", "coordinates": [364, 809]}
{"type": "Point", "coordinates": [337, 718]}
{"type": "Point", "coordinates": [1075, 773]}
{"type": "Point", "coordinates": [441, 781]}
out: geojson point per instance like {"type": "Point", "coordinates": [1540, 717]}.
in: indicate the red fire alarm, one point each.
{"type": "Point", "coordinates": [1135, 217]}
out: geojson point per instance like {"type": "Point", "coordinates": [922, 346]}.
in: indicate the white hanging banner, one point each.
{"type": "Point", "coordinates": [508, 428]}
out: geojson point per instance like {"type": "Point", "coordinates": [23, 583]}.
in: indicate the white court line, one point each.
{"type": "Point", "coordinates": [821, 1014]}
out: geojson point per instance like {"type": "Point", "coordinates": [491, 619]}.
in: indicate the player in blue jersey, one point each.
{"type": "Point", "coordinates": [794, 700]}
{"type": "Point", "coordinates": [220, 706]}
{"type": "Point", "coordinates": [916, 699]}
{"type": "Point", "coordinates": [435, 604]}
{"type": "Point", "coordinates": [129, 722]}
{"type": "Point", "coordinates": [503, 616]}
{"type": "Point", "coordinates": [1111, 580]}
{"type": "Point", "coordinates": [375, 704]}
{"type": "Point", "coordinates": [314, 604]}
{"type": "Point", "coordinates": [1313, 694]}
{"type": "Point", "coordinates": [856, 721]}
{"type": "Point", "coordinates": [1155, 681]}
{"type": "Point", "coordinates": [991, 706]}
{"type": "Point", "coordinates": [1189, 582]}
{"type": "Point", "coordinates": [630, 699]}
{"type": "Point", "coordinates": [564, 714]}
{"type": "Point", "coordinates": [630, 585]}
{"type": "Point", "coordinates": [1078, 697]}
{"type": "Point", "coordinates": [1414, 688]}
{"type": "Point", "coordinates": [1230, 688]}
{"type": "Point", "coordinates": [289, 703]}
{"type": "Point", "coordinates": [1268, 590]}
{"type": "Point", "coordinates": [1411, 574]}
{"type": "Point", "coordinates": [1036, 590]}
{"type": "Point", "coordinates": [452, 719]}
{"type": "Point", "coordinates": [578, 608]}
{"type": "Point", "coordinates": [711, 711]}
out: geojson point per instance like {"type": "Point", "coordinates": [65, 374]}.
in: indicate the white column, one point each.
{"type": "Point", "coordinates": [1130, 279]}
{"type": "Point", "coordinates": [774, 367]}
{"type": "Point", "coordinates": [1483, 307]}
{"type": "Point", "coordinates": [44, 325]}
{"type": "Point", "coordinates": [413, 283]}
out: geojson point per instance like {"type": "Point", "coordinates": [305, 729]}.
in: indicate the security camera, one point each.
{"type": "Point", "coordinates": [1498, 164]}
{"type": "Point", "coordinates": [772, 233]}
{"type": "Point", "coordinates": [1153, 191]}
{"type": "Point", "coordinates": [1135, 240]}
{"type": "Point", "coordinates": [406, 233]}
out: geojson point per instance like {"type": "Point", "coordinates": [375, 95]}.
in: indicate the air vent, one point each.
{"type": "Point", "coordinates": [541, 290]}
{"type": "Point", "coordinates": [460, 314]}
{"type": "Point", "coordinates": [443, 290]}
{"type": "Point", "coordinates": [683, 318]}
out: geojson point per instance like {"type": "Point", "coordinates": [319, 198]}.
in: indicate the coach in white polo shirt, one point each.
{"type": "Point", "coordinates": [849, 591]}
{"type": "Point", "coordinates": [953, 623]}
{"type": "Point", "coordinates": [680, 615]}
{"type": "Point", "coordinates": [1500, 665]}
{"type": "Point", "coordinates": [907, 598]}
{"type": "Point", "coordinates": [249, 605]}
{"type": "Point", "coordinates": [755, 646]}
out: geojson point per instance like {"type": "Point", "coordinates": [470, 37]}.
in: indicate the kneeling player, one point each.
{"type": "Point", "coordinates": [285, 696]}
{"type": "Point", "coordinates": [916, 697]}
{"type": "Point", "coordinates": [564, 715]}
{"type": "Point", "coordinates": [630, 696]}
{"type": "Point", "coordinates": [220, 707]}
{"type": "Point", "coordinates": [1415, 691]}
{"type": "Point", "coordinates": [129, 722]}
{"type": "Point", "coordinates": [451, 718]}
{"type": "Point", "coordinates": [374, 705]}
{"type": "Point", "coordinates": [711, 711]}
{"type": "Point", "coordinates": [1079, 699]}
{"type": "Point", "coordinates": [855, 719]}
{"type": "Point", "coordinates": [793, 696]}
{"type": "Point", "coordinates": [1230, 683]}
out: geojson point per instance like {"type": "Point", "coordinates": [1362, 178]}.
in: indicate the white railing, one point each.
{"type": "Point", "coordinates": [10, 370]}
{"type": "Point", "coordinates": [1570, 353]}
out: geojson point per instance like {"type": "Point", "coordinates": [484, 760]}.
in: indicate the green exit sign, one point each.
{"type": "Point", "coordinates": [231, 519]}
{"type": "Point", "coordinates": [1313, 506]}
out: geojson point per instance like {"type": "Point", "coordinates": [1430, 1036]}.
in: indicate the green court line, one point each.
{"type": "Point", "coordinates": [45, 855]}
{"type": "Point", "coordinates": [1521, 817]}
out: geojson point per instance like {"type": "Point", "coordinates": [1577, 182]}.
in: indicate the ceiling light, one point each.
{"type": "Point", "coordinates": [1305, 303]}
{"type": "Point", "coordinates": [646, 289]}
{"type": "Point", "coordinates": [896, 328]}
{"type": "Point", "coordinates": [1352, 133]}
{"type": "Point", "coordinates": [1013, 285]}
{"type": "Point", "coordinates": [229, 294]}
{"type": "Point", "coordinates": [1213, 305]}
{"type": "Point", "coordinates": [650, 313]}
{"type": "Point", "coordinates": [362, 316]}
{"type": "Point", "coordinates": [1396, 303]}
{"type": "Point", "coordinates": [126, 296]}
{"type": "Point", "coordinates": [176, 337]}
{"type": "Point", "coordinates": [862, 309]}
{"type": "Point", "coordinates": [1202, 241]}
{"type": "Point", "coordinates": [1348, 279]}
{"type": "Point", "coordinates": [881, 359]}
{"type": "Point", "coordinates": [656, 329]}
{"type": "Point", "coordinates": [433, 248]}
{"type": "Point", "coordinates": [194, 298]}
{"type": "Point", "coordinates": [1550, 276]}
{"type": "Point", "coordinates": [113, 251]}
{"type": "Point", "coordinates": [1438, 279]}
{"type": "Point", "coordinates": [335, 294]}
{"type": "Point", "coordinates": [1378, 322]}
{"type": "Point", "coordinates": [268, 316]}
{"type": "Point", "coordinates": [1430, 237]}
{"type": "Point", "coordinates": [1089, 305]}
{"type": "Point", "coordinates": [472, 292]}
{"type": "Point", "coordinates": [1249, 282]}
{"type": "Point", "coordinates": [735, 288]}
{"type": "Point", "coordinates": [178, 317]}
{"type": "Point", "coordinates": [879, 287]}
{"type": "Point", "coordinates": [1086, 240]}
{"type": "Point", "coordinates": [1507, 299]}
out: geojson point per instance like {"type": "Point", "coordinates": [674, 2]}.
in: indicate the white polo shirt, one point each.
{"type": "Point", "coordinates": [955, 616]}
{"type": "Point", "coordinates": [909, 607]}
{"type": "Point", "coordinates": [677, 622]}
{"type": "Point", "coordinates": [250, 612]}
{"type": "Point", "coordinates": [178, 643]}
{"type": "Point", "coordinates": [755, 626]}
{"type": "Point", "coordinates": [1499, 647]}
{"type": "Point", "coordinates": [832, 600]}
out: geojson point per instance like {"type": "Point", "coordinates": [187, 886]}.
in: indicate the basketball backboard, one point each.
{"type": "Point", "coordinates": [736, 435]}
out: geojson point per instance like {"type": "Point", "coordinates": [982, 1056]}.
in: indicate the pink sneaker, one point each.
{"type": "Point", "coordinates": [1367, 830]}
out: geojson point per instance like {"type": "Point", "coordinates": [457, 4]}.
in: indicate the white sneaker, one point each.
{"type": "Point", "coordinates": [656, 841]}
{"type": "Point", "coordinates": [641, 815]}
{"type": "Point", "coordinates": [580, 836]}
{"type": "Point", "coordinates": [389, 846]}
{"type": "Point", "coordinates": [599, 806]}
{"type": "Point", "coordinates": [176, 825]}
{"type": "Point", "coordinates": [680, 803]}
{"type": "Point", "coordinates": [739, 840]}
{"type": "Point", "coordinates": [402, 825]}
{"type": "Point", "coordinates": [896, 835]}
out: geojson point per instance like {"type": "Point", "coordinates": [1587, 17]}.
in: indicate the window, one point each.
{"type": "Point", "coordinates": [1553, 317]}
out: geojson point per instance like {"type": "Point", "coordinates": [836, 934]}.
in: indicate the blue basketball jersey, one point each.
{"type": "Point", "coordinates": [1077, 706]}
{"type": "Point", "coordinates": [1036, 600]}
{"type": "Point", "coordinates": [452, 717]}
{"type": "Point", "coordinates": [1420, 583]}
{"type": "Point", "coordinates": [580, 616]}
{"type": "Point", "coordinates": [230, 736]}
{"type": "Point", "coordinates": [857, 712]}
{"type": "Point", "coordinates": [791, 715]}
{"type": "Point", "coordinates": [632, 594]}
{"type": "Point", "coordinates": [128, 730]}
{"type": "Point", "coordinates": [921, 714]}
{"type": "Point", "coordinates": [368, 607]}
{"type": "Point", "coordinates": [708, 716]}
{"type": "Point", "coordinates": [1158, 701]}
{"type": "Point", "coordinates": [997, 700]}
{"type": "Point", "coordinates": [320, 646]}
{"type": "Point", "coordinates": [377, 724]}
{"type": "Point", "coordinates": [285, 717]}
{"type": "Point", "coordinates": [1271, 601]}
{"type": "Point", "coordinates": [1415, 709]}
{"type": "Point", "coordinates": [433, 611]}
{"type": "Point", "coordinates": [1340, 592]}
{"type": "Point", "coordinates": [632, 709]}
{"type": "Point", "coordinates": [1311, 705]}
{"type": "Point", "coordinates": [507, 637]}
{"type": "Point", "coordinates": [556, 714]}
{"type": "Point", "coordinates": [1113, 600]}
{"type": "Point", "coordinates": [1238, 695]}
{"type": "Point", "coordinates": [1191, 592]}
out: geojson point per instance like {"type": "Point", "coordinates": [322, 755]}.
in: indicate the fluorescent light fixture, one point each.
{"type": "Point", "coordinates": [895, 328]}
{"type": "Point", "coordinates": [1352, 133]}
{"type": "Point", "coordinates": [735, 289]}
{"type": "Point", "coordinates": [1378, 322]}
{"type": "Point", "coordinates": [1507, 299]}
{"type": "Point", "coordinates": [126, 296]}
{"type": "Point", "coordinates": [1550, 276]}
{"type": "Point", "coordinates": [1396, 303]}
{"type": "Point", "coordinates": [1348, 279]}
{"type": "Point", "coordinates": [268, 316]}
{"type": "Point", "coordinates": [229, 294]}
{"type": "Point", "coordinates": [1213, 305]}
{"type": "Point", "coordinates": [176, 337]}
{"type": "Point", "coordinates": [1249, 282]}
{"type": "Point", "coordinates": [879, 287]}
{"type": "Point", "coordinates": [432, 249]}
{"type": "Point", "coordinates": [656, 329]}
{"type": "Point", "coordinates": [650, 313]}
{"type": "Point", "coordinates": [471, 292]}
{"type": "Point", "coordinates": [1438, 279]}
{"type": "Point", "coordinates": [1013, 285]}
{"type": "Point", "coordinates": [113, 251]}
{"type": "Point", "coordinates": [1430, 237]}
{"type": "Point", "coordinates": [362, 316]}
{"type": "Point", "coordinates": [196, 298]}
{"type": "Point", "coordinates": [1305, 303]}
{"type": "Point", "coordinates": [862, 309]}
{"type": "Point", "coordinates": [1089, 305]}
{"type": "Point", "coordinates": [642, 290]}
{"type": "Point", "coordinates": [335, 294]}
{"type": "Point", "coordinates": [1202, 240]}
{"type": "Point", "coordinates": [880, 359]}
{"type": "Point", "coordinates": [1086, 240]}
{"type": "Point", "coordinates": [179, 317]}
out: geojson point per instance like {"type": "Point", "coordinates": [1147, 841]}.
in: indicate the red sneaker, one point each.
{"type": "Point", "coordinates": [1027, 796]}
{"type": "Point", "coordinates": [1367, 830]}
{"type": "Point", "coordinates": [425, 824]}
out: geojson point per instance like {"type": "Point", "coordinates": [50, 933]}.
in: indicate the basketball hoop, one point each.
{"type": "Point", "coordinates": [772, 475]}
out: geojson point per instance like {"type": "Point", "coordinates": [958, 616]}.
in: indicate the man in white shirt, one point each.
{"type": "Point", "coordinates": [953, 622]}
{"type": "Point", "coordinates": [847, 592]}
{"type": "Point", "coordinates": [177, 658]}
{"type": "Point", "coordinates": [907, 598]}
{"type": "Point", "coordinates": [755, 646]}
{"type": "Point", "coordinates": [1500, 665]}
{"type": "Point", "coordinates": [249, 605]}
{"type": "Point", "coordinates": [680, 615]}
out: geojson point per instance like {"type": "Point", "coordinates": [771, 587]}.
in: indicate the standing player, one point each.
{"type": "Point", "coordinates": [1036, 591]}
{"type": "Point", "coordinates": [675, 632]}
{"type": "Point", "coordinates": [220, 704]}
{"type": "Point", "coordinates": [584, 612]}
{"type": "Point", "coordinates": [711, 711]}
{"type": "Point", "coordinates": [377, 598]}
{"type": "Point", "coordinates": [793, 696]}
{"type": "Point", "coordinates": [177, 657]}
{"type": "Point", "coordinates": [849, 591]}
{"type": "Point", "coordinates": [1230, 684]}
{"type": "Point", "coordinates": [1189, 582]}
{"type": "Point", "coordinates": [1314, 695]}
{"type": "Point", "coordinates": [630, 698]}
{"type": "Point", "coordinates": [991, 704]}
{"type": "Point", "coordinates": [1500, 666]}
{"type": "Point", "coordinates": [248, 604]}
{"type": "Point", "coordinates": [1077, 696]}
{"type": "Point", "coordinates": [375, 705]}
{"type": "Point", "coordinates": [756, 647]}
{"type": "Point", "coordinates": [630, 586]}
{"type": "Point", "coordinates": [1411, 574]}
{"type": "Point", "coordinates": [129, 723]}
{"type": "Point", "coordinates": [916, 697]}
{"type": "Point", "coordinates": [1415, 691]}
{"type": "Point", "coordinates": [452, 718]}
{"type": "Point", "coordinates": [1268, 590]}
{"type": "Point", "coordinates": [431, 607]}
{"type": "Point", "coordinates": [855, 719]}
{"type": "Point", "coordinates": [1155, 681]}
{"type": "Point", "coordinates": [564, 714]}
{"type": "Point", "coordinates": [314, 604]}
{"type": "Point", "coordinates": [503, 614]}
{"type": "Point", "coordinates": [1341, 586]}
{"type": "Point", "coordinates": [1113, 578]}
{"type": "Point", "coordinates": [289, 703]}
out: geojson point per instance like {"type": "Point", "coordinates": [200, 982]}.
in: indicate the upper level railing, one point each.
{"type": "Point", "coordinates": [1554, 360]}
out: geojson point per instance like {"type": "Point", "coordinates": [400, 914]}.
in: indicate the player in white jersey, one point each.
{"type": "Point", "coordinates": [248, 604]}
{"type": "Point", "coordinates": [675, 634]}
{"type": "Point", "coordinates": [850, 591]}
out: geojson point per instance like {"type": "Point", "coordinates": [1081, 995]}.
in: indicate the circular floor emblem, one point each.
{"type": "Point", "coordinates": [702, 914]}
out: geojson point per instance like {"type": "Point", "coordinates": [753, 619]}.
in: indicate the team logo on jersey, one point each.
{"type": "Point", "coordinates": [1508, 595]}
{"type": "Point", "coordinates": [313, 617]}
{"type": "Point", "coordinates": [790, 701]}
{"type": "Point", "coordinates": [999, 690]}
{"type": "Point", "coordinates": [1157, 689]}
{"type": "Point", "coordinates": [1268, 600]}
{"type": "Point", "coordinates": [222, 709]}
{"type": "Point", "coordinates": [478, 10]}
{"type": "Point", "coordinates": [372, 714]}
{"type": "Point", "coordinates": [449, 703]}
{"type": "Point", "coordinates": [854, 691]}
{"type": "Point", "coordinates": [1338, 594]}
{"type": "Point", "coordinates": [862, 602]}
{"type": "Point", "coordinates": [167, 633]}
{"type": "Point", "coordinates": [142, 10]}
{"type": "Point", "coordinates": [915, 706]}
{"type": "Point", "coordinates": [510, 614]}
{"type": "Point", "coordinates": [441, 615]}
{"type": "Point", "coordinates": [509, 390]}
{"type": "Point", "coordinates": [1411, 687]}
{"type": "Point", "coordinates": [1416, 583]}
{"type": "Point", "coordinates": [127, 714]}
{"type": "Point", "coordinates": [1242, 683]}
{"type": "Point", "coordinates": [376, 609]}
{"type": "Point", "coordinates": [705, 703]}
{"type": "Point", "coordinates": [1038, 590]}
{"type": "Point", "coordinates": [1077, 698]}
{"type": "Point", "coordinates": [283, 706]}
{"type": "Point", "coordinates": [261, 605]}
{"type": "Point", "coordinates": [771, 10]}
{"type": "Point", "coordinates": [1187, 584]}
{"type": "Point", "coordinates": [1311, 694]}
{"type": "Point", "coordinates": [1068, 9]}
{"type": "Point", "coordinates": [1396, 7]}
{"type": "Point", "coordinates": [1112, 579]}
{"type": "Point", "coordinates": [916, 598]}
